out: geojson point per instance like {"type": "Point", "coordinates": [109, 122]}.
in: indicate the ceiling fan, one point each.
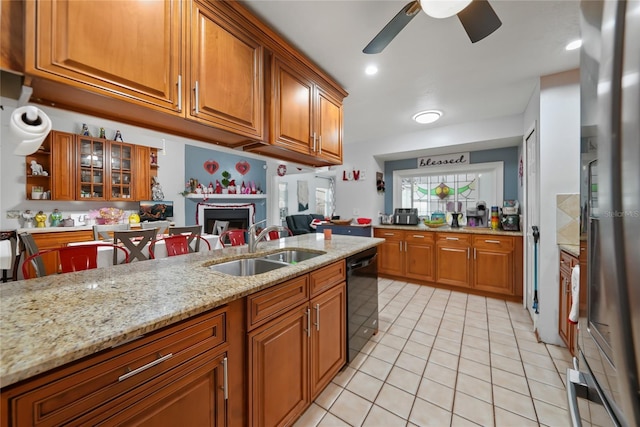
{"type": "Point", "coordinates": [476, 16]}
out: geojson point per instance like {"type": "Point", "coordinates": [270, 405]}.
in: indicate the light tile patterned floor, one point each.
{"type": "Point", "coordinates": [446, 358]}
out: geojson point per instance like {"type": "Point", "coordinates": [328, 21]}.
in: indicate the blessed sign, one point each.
{"type": "Point", "coordinates": [444, 160]}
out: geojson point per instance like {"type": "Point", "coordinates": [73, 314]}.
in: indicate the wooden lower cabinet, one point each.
{"type": "Point", "coordinates": [485, 264]}
{"type": "Point", "coordinates": [566, 329]}
{"type": "Point", "coordinates": [294, 356]}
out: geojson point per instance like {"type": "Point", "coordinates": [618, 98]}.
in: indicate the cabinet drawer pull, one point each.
{"type": "Point", "coordinates": [419, 236]}
{"type": "Point", "coordinates": [314, 142]}
{"type": "Point", "coordinates": [468, 252]}
{"type": "Point", "coordinates": [389, 234]}
{"type": "Point", "coordinates": [474, 253]}
{"type": "Point", "coordinates": [197, 98]}
{"type": "Point", "coordinates": [317, 317]}
{"type": "Point", "coordinates": [401, 246]}
{"type": "Point", "coordinates": [131, 373]}
{"type": "Point", "coordinates": [452, 238]}
{"type": "Point", "coordinates": [492, 241]}
{"type": "Point", "coordinates": [179, 92]}
{"type": "Point", "coordinates": [319, 144]}
{"type": "Point", "coordinates": [225, 378]}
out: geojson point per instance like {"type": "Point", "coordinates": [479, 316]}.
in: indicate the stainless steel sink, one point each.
{"type": "Point", "coordinates": [248, 266]}
{"type": "Point", "coordinates": [291, 256]}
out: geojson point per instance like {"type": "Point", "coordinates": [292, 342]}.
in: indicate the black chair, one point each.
{"type": "Point", "coordinates": [134, 242]}
{"type": "Point", "coordinates": [301, 223]}
{"type": "Point", "coordinates": [12, 237]}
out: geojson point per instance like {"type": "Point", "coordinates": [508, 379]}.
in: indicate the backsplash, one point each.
{"type": "Point", "coordinates": [568, 219]}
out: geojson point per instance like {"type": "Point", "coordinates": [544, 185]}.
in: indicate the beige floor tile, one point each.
{"type": "Point", "coordinates": [474, 387]}
{"type": "Point", "coordinates": [420, 350]}
{"type": "Point", "coordinates": [351, 408]}
{"type": "Point", "coordinates": [344, 376]}
{"type": "Point", "coordinates": [547, 393]}
{"type": "Point", "coordinates": [422, 338]}
{"type": "Point", "coordinates": [436, 393]}
{"type": "Point", "coordinates": [510, 381]}
{"type": "Point", "coordinates": [393, 341]}
{"type": "Point", "coordinates": [330, 420]}
{"type": "Point", "coordinates": [558, 352]}
{"type": "Point", "coordinates": [475, 331]}
{"type": "Point", "coordinates": [496, 337]}
{"type": "Point", "coordinates": [443, 358]}
{"type": "Point", "coordinates": [405, 322]}
{"type": "Point", "coordinates": [395, 400]}
{"type": "Point", "coordinates": [368, 347]}
{"type": "Point", "coordinates": [404, 380]}
{"type": "Point", "coordinates": [328, 396]}
{"type": "Point", "coordinates": [514, 402]}
{"type": "Point", "coordinates": [358, 361]}
{"type": "Point", "coordinates": [537, 359]}
{"type": "Point", "coordinates": [449, 346]}
{"type": "Point", "coordinates": [376, 368]}
{"type": "Point", "coordinates": [509, 419]}
{"type": "Point", "coordinates": [550, 377]}
{"type": "Point", "coordinates": [441, 375]}
{"type": "Point", "coordinates": [379, 417]}
{"type": "Point", "coordinates": [507, 364]}
{"type": "Point", "coordinates": [412, 312]}
{"type": "Point", "coordinates": [411, 363]}
{"type": "Point", "coordinates": [311, 417]}
{"type": "Point", "coordinates": [505, 350]}
{"type": "Point", "coordinates": [476, 342]}
{"type": "Point", "coordinates": [533, 347]}
{"type": "Point", "coordinates": [549, 414]}
{"type": "Point", "coordinates": [400, 331]}
{"type": "Point", "coordinates": [476, 410]}
{"type": "Point", "coordinates": [425, 414]}
{"type": "Point", "coordinates": [475, 369]}
{"type": "Point", "coordinates": [475, 354]}
{"type": "Point", "coordinates": [365, 386]}
{"type": "Point", "coordinates": [450, 334]}
{"type": "Point", "coordinates": [386, 353]}
{"type": "Point", "coordinates": [458, 421]}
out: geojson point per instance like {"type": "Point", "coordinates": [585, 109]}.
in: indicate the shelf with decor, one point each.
{"type": "Point", "coordinates": [225, 196]}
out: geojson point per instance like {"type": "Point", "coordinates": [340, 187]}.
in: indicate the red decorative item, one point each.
{"type": "Point", "coordinates": [218, 189]}
{"type": "Point", "coordinates": [211, 166]}
{"type": "Point", "coordinates": [282, 170]}
{"type": "Point", "coordinates": [243, 167]}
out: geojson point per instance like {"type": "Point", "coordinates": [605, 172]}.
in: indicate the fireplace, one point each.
{"type": "Point", "coordinates": [239, 216]}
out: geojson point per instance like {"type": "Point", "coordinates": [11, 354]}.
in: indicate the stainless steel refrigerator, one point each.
{"type": "Point", "coordinates": [607, 369]}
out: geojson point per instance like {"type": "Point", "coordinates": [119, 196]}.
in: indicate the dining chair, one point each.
{"type": "Point", "coordinates": [190, 231]}
{"type": "Point", "coordinates": [29, 247]}
{"type": "Point", "coordinates": [104, 231]}
{"type": "Point", "coordinates": [236, 237]}
{"type": "Point", "coordinates": [220, 227]}
{"type": "Point", "coordinates": [276, 234]}
{"type": "Point", "coordinates": [10, 237]}
{"type": "Point", "coordinates": [134, 241]}
{"type": "Point", "coordinates": [72, 258]}
{"type": "Point", "coordinates": [178, 244]}
{"type": "Point", "coordinates": [162, 226]}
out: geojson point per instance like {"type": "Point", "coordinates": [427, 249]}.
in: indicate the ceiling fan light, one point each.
{"type": "Point", "coordinates": [443, 8]}
{"type": "Point", "coordinates": [425, 117]}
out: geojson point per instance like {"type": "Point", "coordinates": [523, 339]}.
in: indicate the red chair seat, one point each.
{"type": "Point", "coordinates": [177, 244]}
{"type": "Point", "coordinates": [236, 237]}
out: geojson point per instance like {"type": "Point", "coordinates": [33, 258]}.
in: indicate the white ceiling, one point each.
{"type": "Point", "coordinates": [431, 64]}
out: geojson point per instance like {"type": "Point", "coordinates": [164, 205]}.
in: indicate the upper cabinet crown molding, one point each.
{"type": "Point", "coordinates": [196, 68]}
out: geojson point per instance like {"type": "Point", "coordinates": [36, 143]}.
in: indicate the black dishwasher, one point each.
{"type": "Point", "coordinates": [362, 300]}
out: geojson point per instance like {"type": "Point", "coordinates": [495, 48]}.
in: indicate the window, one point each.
{"type": "Point", "coordinates": [325, 200]}
{"type": "Point", "coordinates": [448, 189]}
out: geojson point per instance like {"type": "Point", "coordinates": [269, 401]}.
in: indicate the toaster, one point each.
{"type": "Point", "coordinates": [405, 216]}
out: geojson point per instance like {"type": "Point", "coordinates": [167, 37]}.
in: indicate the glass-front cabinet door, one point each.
{"type": "Point", "coordinates": [92, 172]}
{"type": "Point", "coordinates": [121, 161]}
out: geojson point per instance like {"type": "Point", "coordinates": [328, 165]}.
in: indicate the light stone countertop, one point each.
{"type": "Point", "coordinates": [50, 321]}
{"type": "Point", "coordinates": [446, 228]}
{"type": "Point", "coordinates": [571, 249]}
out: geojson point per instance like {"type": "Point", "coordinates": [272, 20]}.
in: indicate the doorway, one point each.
{"type": "Point", "coordinates": [532, 206]}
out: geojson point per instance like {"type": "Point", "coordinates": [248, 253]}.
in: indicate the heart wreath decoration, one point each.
{"type": "Point", "coordinates": [211, 166]}
{"type": "Point", "coordinates": [243, 167]}
{"type": "Point", "coordinates": [282, 170]}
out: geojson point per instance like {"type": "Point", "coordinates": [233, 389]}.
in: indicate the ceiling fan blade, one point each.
{"type": "Point", "coordinates": [479, 20]}
{"type": "Point", "coordinates": [393, 28]}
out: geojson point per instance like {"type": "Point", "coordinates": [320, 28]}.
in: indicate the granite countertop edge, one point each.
{"type": "Point", "coordinates": [572, 249]}
{"type": "Point", "coordinates": [447, 229]}
{"type": "Point", "coordinates": [48, 322]}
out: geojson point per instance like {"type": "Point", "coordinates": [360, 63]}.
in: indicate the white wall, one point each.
{"type": "Point", "coordinates": [559, 136]}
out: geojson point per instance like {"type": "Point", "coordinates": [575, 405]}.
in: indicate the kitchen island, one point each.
{"type": "Point", "coordinates": [50, 322]}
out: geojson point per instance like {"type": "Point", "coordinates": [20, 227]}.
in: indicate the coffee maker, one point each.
{"type": "Point", "coordinates": [510, 220]}
{"type": "Point", "coordinates": [477, 217]}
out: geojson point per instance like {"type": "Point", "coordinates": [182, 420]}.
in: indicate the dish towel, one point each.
{"type": "Point", "coordinates": [575, 295]}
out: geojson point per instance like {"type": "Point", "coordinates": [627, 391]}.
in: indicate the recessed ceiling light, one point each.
{"type": "Point", "coordinates": [428, 116]}
{"type": "Point", "coordinates": [574, 45]}
{"type": "Point", "coordinates": [371, 70]}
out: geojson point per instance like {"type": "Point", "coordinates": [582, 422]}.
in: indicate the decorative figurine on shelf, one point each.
{"type": "Point", "coordinates": [118, 136]}
{"type": "Point", "coordinates": [243, 189]}
{"type": "Point", "coordinates": [102, 133]}
{"type": "Point", "coordinates": [36, 168]}
{"type": "Point", "coordinates": [154, 159]}
{"type": "Point", "coordinates": [232, 186]}
{"type": "Point", "coordinates": [156, 189]}
{"type": "Point", "coordinates": [56, 217]}
{"type": "Point", "coordinates": [28, 219]}
{"type": "Point", "coordinates": [211, 190]}
{"type": "Point", "coordinates": [85, 130]}
{"type": "Point", "coordinates": [218, 189]}
{"type": "Point", "coordinates": [41, 219]}
{"type": "Point", "coordinates": [253, 187]}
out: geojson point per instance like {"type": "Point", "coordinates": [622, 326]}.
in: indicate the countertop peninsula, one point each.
{"type": "Point", "coordinates": [50, 321]}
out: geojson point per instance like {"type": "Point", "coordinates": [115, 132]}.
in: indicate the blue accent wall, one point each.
{"type": "Point", "coordinates": [508, 155]}
{"type": "Point", "coordinates": [195, 159]}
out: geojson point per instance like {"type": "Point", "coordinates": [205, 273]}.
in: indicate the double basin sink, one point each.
{"type": "Point", "coordinates": [264, 264]}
